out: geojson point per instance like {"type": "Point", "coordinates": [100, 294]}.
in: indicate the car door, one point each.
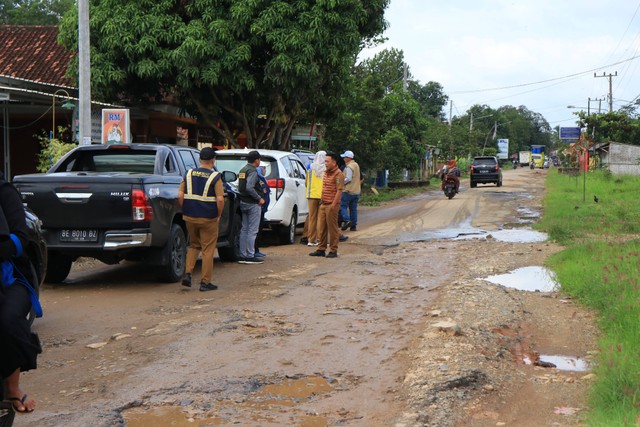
{"type": "Point", "coordinates": [299, 174]}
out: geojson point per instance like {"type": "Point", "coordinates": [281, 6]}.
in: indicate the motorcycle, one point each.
{"type": "Point", "coordinates": [449, 187]}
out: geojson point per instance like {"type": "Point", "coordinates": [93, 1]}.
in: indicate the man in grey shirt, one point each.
{"type": "Point", "coordinates": [251, 202]}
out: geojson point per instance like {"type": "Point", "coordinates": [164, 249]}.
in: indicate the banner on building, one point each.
{"type": "Point", "coordinates": [115, 126]}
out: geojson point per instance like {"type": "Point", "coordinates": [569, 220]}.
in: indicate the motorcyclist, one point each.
{"type": "Point", "coordinates": [450, 170]}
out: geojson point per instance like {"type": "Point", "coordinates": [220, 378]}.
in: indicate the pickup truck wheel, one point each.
{"type": "Point", "coordinates": [231, 253]}
{"type": "Point", "coordinates": [175, 254]}
{"type": "Point", "coordinates": [288, 233]}
{"type": "Point", "coordinates": [474, 184]}
{"type": "Point", "coordinates": [58, 267]}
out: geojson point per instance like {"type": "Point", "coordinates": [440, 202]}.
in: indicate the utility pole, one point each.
{"type": "Point", "coordinates": [609, 76]}
{"type": "Point", "coordinates": [405, 78]}
{"type": "Point", "coordinates": [84, 71]}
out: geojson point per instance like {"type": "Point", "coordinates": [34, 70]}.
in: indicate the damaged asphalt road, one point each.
{"type": "Point", "coordinates": [318, 342]}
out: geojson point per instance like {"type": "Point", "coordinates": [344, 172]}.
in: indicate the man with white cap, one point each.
{"type": "Point", "coordinates": [351, 193]}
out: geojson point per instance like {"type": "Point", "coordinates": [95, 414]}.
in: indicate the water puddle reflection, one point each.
{"type": "Point", "coordinates": [254, 409]}
{"type": "Point", "coordinates": [533, 279]}
{"type": "Point", "coordinates": [563, 363]}
{"type": "Point", "coordinates": [465, 231]}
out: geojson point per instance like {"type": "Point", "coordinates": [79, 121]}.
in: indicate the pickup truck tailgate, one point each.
{"type": "Point", "coordinates": [79, 206]}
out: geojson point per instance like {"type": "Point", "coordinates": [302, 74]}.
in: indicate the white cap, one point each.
{"type": "Point", "coordinates": [348, 154]}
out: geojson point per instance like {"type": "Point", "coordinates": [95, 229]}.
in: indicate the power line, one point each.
{"type": "Point", "coordinates": [545, 81]}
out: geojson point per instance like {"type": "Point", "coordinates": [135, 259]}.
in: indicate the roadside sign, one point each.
{"type": "Point", "coordinates": [570, 133]}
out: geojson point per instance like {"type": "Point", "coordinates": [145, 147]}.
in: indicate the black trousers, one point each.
{"type": "Point", "coordinates": [20, 348]}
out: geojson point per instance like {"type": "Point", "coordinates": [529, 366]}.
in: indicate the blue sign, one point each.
{"type": "Point", "coordinates": [572, 133]}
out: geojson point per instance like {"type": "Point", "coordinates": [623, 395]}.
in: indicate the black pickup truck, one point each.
{"type": "Point", "coordinates": [115, 202]}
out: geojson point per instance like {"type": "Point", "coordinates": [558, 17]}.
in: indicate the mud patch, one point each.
{"type": "Point", "coordinates": [271, 404]}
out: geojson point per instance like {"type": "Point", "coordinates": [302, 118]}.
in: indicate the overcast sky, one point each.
{"type": "Point", "coordinates": [545, 51]}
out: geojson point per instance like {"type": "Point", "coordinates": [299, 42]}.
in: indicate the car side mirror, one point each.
{"type": "Point", "coordinates": [229, 176]}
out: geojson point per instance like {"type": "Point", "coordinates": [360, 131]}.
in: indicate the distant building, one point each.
{"type": "Point", "coordinates": [620, 159]}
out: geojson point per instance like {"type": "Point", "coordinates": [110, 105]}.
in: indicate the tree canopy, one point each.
{"type": "Point", "coordinates": [243, 66]}
{"type": "Point", "coordinates": [34, 12]}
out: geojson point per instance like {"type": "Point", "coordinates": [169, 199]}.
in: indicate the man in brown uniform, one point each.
{"type": "Point", "coordinates": [328, 230]}
{"type": "Point", "coordinates": [201, 196]}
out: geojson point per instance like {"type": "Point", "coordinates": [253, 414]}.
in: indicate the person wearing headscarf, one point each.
{"type": "Point", "coordinates": [19, 348]}
{"type": "Point", "coordinates": [451, 170]}
{"type": "Point", "coordinates": [313, 191]}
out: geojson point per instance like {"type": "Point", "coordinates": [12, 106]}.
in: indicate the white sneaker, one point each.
{"type": "Point", "coordinates": [312, 244]}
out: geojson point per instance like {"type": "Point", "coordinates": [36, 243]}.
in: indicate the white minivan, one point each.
{"type": "Point", "coordinates": [285, 175]}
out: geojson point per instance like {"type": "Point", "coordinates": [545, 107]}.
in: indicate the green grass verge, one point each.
{"type": "Point", "coordinates": [601, 267]}
{"type": "Point", "coordinates": [368, 198]}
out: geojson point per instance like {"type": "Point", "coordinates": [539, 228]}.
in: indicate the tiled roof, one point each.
{"type": "Point", "coordinates": [32, 53]}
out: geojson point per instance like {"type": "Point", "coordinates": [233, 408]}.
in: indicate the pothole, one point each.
{"type": "Point", "coordinates": [251, 409]}
{"type": "Point", "coordinates": [532, 279]}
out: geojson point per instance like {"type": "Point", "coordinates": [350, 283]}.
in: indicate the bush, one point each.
{"type": "Point", "coordinates": [52, 150]}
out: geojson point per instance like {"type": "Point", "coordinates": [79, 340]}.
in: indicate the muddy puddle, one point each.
{"type": "Point", "coordinates": [533, 279]}
{"type": "Point", "coordinates": [264, 406]}
{"type": "Point", "coordinates": [465, 231]}
{"type": "Point", "coordinates": [563, 363]}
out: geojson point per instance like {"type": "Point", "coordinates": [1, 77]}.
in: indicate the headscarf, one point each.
{"type": "Point", "coordinates": [318, 167]}
{"type": "Point", "coordinates": [452, 164]}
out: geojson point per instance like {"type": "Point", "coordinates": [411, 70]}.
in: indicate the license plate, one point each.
{"type": "Point", "coordinates": [72, 235]}
{"type": "Point", "coordinates": [484, 171]}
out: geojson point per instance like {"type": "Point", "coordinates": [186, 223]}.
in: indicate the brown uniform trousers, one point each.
{"type": "Point", "coordinates": [203, 237]}
{"type": "Point", "coordinates": [311, 225]}
{"type": "Point", "coordinates": [328, 230]}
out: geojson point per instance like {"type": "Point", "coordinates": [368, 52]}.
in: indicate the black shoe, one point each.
{"type": "Point", "coordinates": [253, 260]}
{"type": "Point", "coordinates": [343, 238]}
{"type": "Point", "coordinates": [332, 255]}
{"type": "Point", "coordinates": [353, 228]}
{"type": "Point", "coordinates": [207, 287]}
{"type": "Point", "coordinates": [346, 225]}
{"type": "Point", "coordinates": [186, 280]}
{"type": "Point", "coordinates": [304, 241]}
{"type": "Point", "coordinates": [318, 253]}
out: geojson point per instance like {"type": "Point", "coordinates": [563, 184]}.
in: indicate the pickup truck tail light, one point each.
{"type": "Point", "coordinates": [140, 207]}
{"type": "Point", "coordinates": [471, 168]}
{"type": "Point", "coordinates": [278, 184]}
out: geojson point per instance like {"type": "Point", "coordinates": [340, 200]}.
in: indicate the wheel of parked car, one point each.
{"type": "Point", "coordinates": [175, 255]}
{"type": "Point", "coordinates": [232, 253]}
{"type": "Point", "coordinates": [288, 233]}
{"type": "Point", "coordinates": [499, 183]}
{"type": "Point", "coordinates": [58, 267]}
{"type": "Point", "coordinates": [474, 184]}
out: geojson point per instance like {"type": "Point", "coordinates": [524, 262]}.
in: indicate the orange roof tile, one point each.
{"type": "Point", "coordinates": [33, 53]}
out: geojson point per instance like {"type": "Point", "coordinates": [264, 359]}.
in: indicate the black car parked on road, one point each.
{"type": "Point", "coordinates": [485, 170]}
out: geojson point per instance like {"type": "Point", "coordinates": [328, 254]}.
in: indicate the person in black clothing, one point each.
{"type": "Point", "coordinates": [266, 195]}
{"type": "Point", "coordinates": [19, 348]}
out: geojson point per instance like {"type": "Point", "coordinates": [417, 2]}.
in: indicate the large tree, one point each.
{"type": "Point", "coordinates": [253, 66]}
{"type": "Point", "coordinates": [384, 115]}
{"type": "Point", "coordinates": [34, 12]}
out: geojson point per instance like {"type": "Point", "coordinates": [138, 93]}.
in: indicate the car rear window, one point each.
{"type": "Point", "coordinates": [233, 163]}
{"type": "Point", "coordinates": [137, 161]}
{"type": "Point", "coordinates": [487, 162]}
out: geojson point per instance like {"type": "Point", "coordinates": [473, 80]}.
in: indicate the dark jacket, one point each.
{"type": "Point", "coordinates": [249, 184]}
